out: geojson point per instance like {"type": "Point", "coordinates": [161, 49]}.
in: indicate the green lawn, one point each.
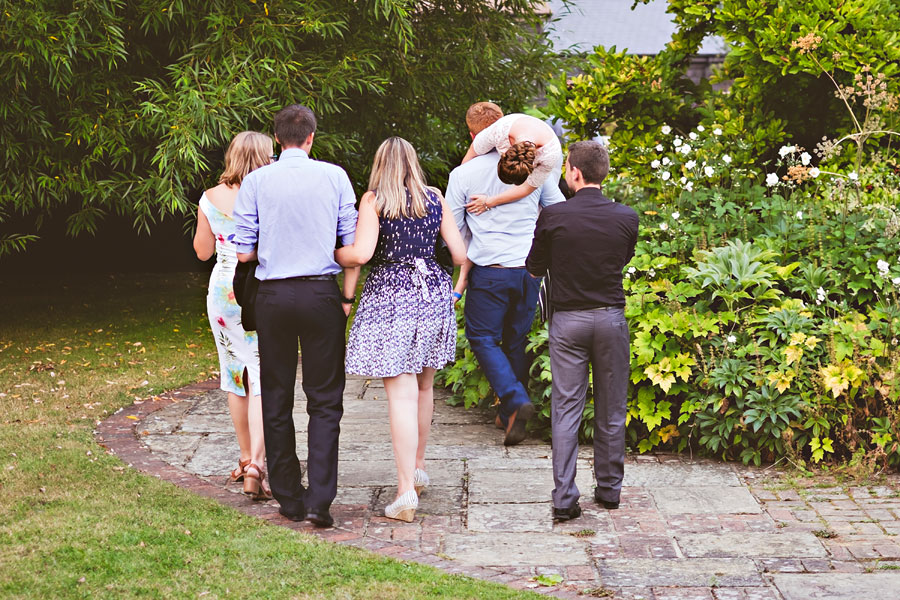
{"type": "Point", "coordinates": [76, 522]}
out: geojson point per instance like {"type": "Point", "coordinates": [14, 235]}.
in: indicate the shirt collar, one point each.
{"type": "Point", "coordinates": [292, 152]}
{"type": "Point", "coordinates": [591, 192]}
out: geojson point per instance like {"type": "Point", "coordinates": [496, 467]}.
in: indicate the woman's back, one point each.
{"type": "Point", "coordinates": [406, 239]}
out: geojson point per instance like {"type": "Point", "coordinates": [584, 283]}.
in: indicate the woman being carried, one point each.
{"type": "Point", "coordinates": [405, 328]}
{"type": "Point", "coordinates": [531, 153]}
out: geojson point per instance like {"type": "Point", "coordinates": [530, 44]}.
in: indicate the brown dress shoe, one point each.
{"type": "Point", "coordinates": [515, 429]}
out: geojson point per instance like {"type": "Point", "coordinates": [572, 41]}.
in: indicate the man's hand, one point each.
{"type": "Point", "coordinates": [478, 204]}
{"type": "Point", "coordinates": [347, 306]}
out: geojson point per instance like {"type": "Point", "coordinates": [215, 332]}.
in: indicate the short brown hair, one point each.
{"type": "Point", "coordinates": [248, 151]}
{"type": "Point", "coordinates": [592, 159]}
{"type": "Point", "coordinates": [517, 163]}
{"type": "Point", "coordinates": [293, 124]}
{"type": "Point", "coordinates": [482, 115]}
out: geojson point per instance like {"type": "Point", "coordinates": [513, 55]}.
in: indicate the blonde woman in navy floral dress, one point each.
{"type": "Point", "coordinates": [238, 351]}
{"type": "Point", "coordinates": [404, 328]}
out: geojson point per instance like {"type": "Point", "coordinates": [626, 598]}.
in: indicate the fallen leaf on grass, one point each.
{"type": "Point", "coordinates": [132, 417]}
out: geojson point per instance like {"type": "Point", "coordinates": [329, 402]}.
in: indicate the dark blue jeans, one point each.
{"type": "Point", "coordinates": [500, 305]}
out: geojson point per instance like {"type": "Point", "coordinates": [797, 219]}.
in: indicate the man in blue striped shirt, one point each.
{"type": "Point", "coordinates": [287, 215]}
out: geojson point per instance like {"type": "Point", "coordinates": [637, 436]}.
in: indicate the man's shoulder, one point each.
{"type": "Point", "coordinates": [327, 167]}
{"type": "Point", "coordinates": [478, 164]}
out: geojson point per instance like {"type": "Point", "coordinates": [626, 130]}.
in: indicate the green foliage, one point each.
{"type": "Point", "coordinates": [755, 334]}
{"type": "Point", "coordinates": [114, 107]}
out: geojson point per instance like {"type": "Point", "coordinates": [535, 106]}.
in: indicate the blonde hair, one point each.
{"type": "Point", "coordinates": [396, 172]}
{"type": "Point", "coordinates": [248, 150]}
{"type": "Point", "coordinates": [482, 115]}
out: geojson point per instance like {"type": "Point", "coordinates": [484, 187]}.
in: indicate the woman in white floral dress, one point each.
{"type": "Point", "coordinates": [238, 350]}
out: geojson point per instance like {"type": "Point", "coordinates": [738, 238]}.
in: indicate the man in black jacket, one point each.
{"type": "Point", "coordinates": [586, 242]}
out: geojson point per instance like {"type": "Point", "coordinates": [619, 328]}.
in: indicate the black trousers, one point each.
{"type": "Point", "coordinates": [288, 310]}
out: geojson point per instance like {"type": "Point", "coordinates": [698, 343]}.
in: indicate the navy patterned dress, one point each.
{"type": "Point", "coordinates": [405, 319]}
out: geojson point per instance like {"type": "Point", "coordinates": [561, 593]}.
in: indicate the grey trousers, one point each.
{"type": "Point", "coordinates": [597, 337]}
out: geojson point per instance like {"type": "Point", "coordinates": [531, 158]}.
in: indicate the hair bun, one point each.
{"type": "Point", "coordinates": [517, 163]}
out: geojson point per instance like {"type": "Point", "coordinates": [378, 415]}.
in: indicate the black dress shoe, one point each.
{"type": "Point", "coordinates": [292, 516]}
{"type": "Point", "coordinates": [605, 503]}
{"type": "Point", "coordinates": [320, 517]}
{"type": "Point", "coordinates": [564, 514]}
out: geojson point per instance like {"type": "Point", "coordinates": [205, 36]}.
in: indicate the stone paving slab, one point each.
{"type": "Point", "coordinates": [839, 586]}
{"type": "Point", "coordinates": [697, 572]}
{"type": "Point", "coordinates": [745, 544]}
{"type": "Point", "coordinates": [705, 500]}
{"type": "Point", "coordinates": [513, 549]}
{"type": "Point", "coordinates": [685, 529]}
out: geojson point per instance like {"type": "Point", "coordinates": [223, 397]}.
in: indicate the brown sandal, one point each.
{"type": "Point", "coordinates": [254, 485]}
{"type": "Point", "coordinates": [238, 474]}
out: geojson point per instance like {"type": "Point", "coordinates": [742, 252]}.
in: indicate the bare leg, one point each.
{"type": "Point", "coordinates": [426, 412]}
{"type": "Point", "coordinates": [257, 438]}
{"type": "Point", "coordinates": [237, 406]}
{"type": "Point", "coordinates": [403, 397]}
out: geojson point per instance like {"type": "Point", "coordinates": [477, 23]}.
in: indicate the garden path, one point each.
{"type": "Point", "coordinates": [686, 529]}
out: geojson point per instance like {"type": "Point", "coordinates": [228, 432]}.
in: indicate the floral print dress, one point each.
{"type": "Point", "coordinates": [238, 349]}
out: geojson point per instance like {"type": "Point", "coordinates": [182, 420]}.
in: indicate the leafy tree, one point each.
{"type": "Point", "coordinates": [125, 107]}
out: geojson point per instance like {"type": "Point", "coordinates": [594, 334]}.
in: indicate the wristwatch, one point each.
{"type": "Point", "coordinates": [347, 300]}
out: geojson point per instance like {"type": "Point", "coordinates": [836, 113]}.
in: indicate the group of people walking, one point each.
{"type": "Point", "coordinates": [504, 221]}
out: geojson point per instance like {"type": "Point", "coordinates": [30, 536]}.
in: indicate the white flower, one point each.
{"type": "Point", "coordinates": [665, 161]}
{"type": "Point", "coordinates": [651, 273]}
{"type": "Point", "coordinates": [785, 150]}
{"type": "Point", "coordinates": [717, 131]}
{"type": "Point", "coordinates": [709, 171]}
{"type": "Point", "coordinates": [701, 128]}
{"type": "Point", "coordinates": [799, 214]}
{"type": "Point", "coordinates": [821, 296]}
{"type": "Point", "coordinates": [683, 180]}
{"type": "Point", "coordinates": [665, 175]}
{"type": "Point", "coordinates": [684, 149]}
{"type": "Point", "coordinates": [659, 148]}
{"type": "Point", "coordinates": [689, 186]}
{"type": "Point", "coordinates": [814, 172]}
{"type": "Point", "coordinates": [731, 339]}
{"type": "Point", "coordinates": [676, 215]}
{"type": "Point", "coordinates": [726, 159]}
{"type": "Point", "coordinates": [896, 281]}
{"type": "Point", "coordinates": [663, 226]}
{"type": "Point", "coordinates": [771, 179]}
{"type": "Point", "coordinates": [852, 176]}
{"type": "Point", "coordinates": [883, 266]}
{"type": "Point", "coordinates": [655, 164]}
{"type": "Point", "coordinates": [631, 270]}
{"type": "Point", "coordinates": [805, 158]}
{"type": "Point", "coordinates": [693, 135]}
{"type": "Point", "coordinates": [690, 164]}
{"type": "Point", "coordinates": [676, 142]}
{"type": "Point", "coordinates": [666, 130]}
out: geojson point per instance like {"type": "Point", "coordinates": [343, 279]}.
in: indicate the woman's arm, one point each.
{"type": "Point", "coordinates": [470, 154]}
{"type": "Point", "coordinates": [204, 240]}
{"type": "Point", "coordinates": [351, 277]}
{"type": "Point", "coordinates": [367, 228]}
{"type": "Point", "coordinates": [481, 202]}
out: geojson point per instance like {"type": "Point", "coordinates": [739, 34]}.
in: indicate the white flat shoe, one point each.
{"type": "Point", "coordinates": [403, 508]}
{"type": "Point", "coordinates": [420, 481]}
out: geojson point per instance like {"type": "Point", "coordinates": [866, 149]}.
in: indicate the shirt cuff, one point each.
{"type": "Point", "coordinates": [348, 238]}
{"type": "Point", "coordinates": [244, 248]}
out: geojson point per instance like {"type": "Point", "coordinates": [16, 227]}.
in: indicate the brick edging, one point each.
{"type": "Point", "coordinates": [118, 434]}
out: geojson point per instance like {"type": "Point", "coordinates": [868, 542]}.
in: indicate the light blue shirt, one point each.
{"type": "Point", "coordinates": [501, 235]}
{"type": "Point", "coordinates": [291, 212]}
